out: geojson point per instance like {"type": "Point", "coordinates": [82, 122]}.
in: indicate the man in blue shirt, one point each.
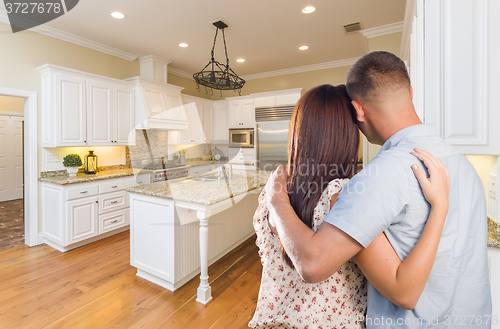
{"type": "Point", "coordinates": [386, 197]}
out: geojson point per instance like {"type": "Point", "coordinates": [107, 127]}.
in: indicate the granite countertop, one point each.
{"type": "Point", "coordinates": [205, 192]}
{"type": "Point", "coordinates": [62, 178]}
{"type": "Point", "coordinates": [493, 233]}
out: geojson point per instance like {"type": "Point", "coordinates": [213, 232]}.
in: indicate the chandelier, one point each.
{"type": "Point", "coordinates": [216, 75]}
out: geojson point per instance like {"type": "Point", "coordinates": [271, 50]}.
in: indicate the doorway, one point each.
{"type": "Point", "coordinates": [29, 170]}
{"type": "Point", "coordinates": [11, 172]}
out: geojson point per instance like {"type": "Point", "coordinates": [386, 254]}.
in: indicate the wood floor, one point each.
{"type": "Point", "coordinates": [95, 287]}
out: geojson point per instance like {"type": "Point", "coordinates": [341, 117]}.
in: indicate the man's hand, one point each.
{"type": "Point", "coordinates": [276, 191]}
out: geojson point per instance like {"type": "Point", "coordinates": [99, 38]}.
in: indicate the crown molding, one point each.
{"type": "Point", "coordinates": [179, 73]}
{"type": "Point", "coordinates": [74, 39]}
{"type": "Point", "coordinates": [301, 69]}
{"type": "Point", "coordinates": [383, 30]}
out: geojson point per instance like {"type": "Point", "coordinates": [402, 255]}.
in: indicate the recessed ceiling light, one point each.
{"type": "Point", "coordinates": [117, 15]}
{"type": "Point", "coordinates": [183, 45]}
{"type": "Point", "coordinates": [308, 9]}
{"type": "Point", "coordinates": [303, 47]}
{"type": "Point", "coordinates": [240, 60]}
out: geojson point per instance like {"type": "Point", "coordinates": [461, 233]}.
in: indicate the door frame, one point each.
{"type": "Point", "coordinates": [30, 162]}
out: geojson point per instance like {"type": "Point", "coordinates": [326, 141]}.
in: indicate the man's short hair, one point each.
{"type": "Point", "coordinates": [376, 73]}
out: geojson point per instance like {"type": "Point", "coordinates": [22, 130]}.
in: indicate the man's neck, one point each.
{"type": "Point", "coordinates": [401, 123]}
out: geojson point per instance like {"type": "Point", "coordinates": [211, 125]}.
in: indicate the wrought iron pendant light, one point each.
{"type": "Point", "coordinates": [216, 75]}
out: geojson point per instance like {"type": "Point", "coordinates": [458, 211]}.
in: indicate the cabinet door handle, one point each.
{"type": "Point", "coordinates": [85, 141]}
{"type": "Point", "coordinates": [114, 186]}
{"type": "Point", "coordinates": [114, 221]}
{"type": "Point", "coordinates": [84, 192]}
{"type": "Point", "coordinates": [114, 201]}
{"type": "Point", "coordinates": [139, 182]}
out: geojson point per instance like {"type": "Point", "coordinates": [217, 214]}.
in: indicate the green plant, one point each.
{"type": "Point", "coordinates": [72, 160]}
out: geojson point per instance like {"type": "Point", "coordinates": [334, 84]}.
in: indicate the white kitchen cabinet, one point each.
{"type": "Point", "coordinates": [241, 113]}
{"type": "Point", "coordinates": [199, 170]}
{"type": "Point", "coordinates": [242, 155]}
{"type": "Point", "coordinates": [123, 118]}
{"type": "Point", "coordinates": [221, 127]}
{"type": "Point", "coordinates": [494, 268]}
{"type": "Point", "coordinates": [82, 219]}
{"type": "Point", "coordinates": [449, 49]}
{"type": "Point", "coordinates": [78, 214]}
{"type": "Point", "coordinates": [277, 98]}
{"type": "Point", "coordinates": [83, 109]}
{"type": "Point", "coordinates": [99, 113]}
{"type": "Point", "coordinates": [208, 121]}
{"type": "Point", "coordinates": [67, 109]}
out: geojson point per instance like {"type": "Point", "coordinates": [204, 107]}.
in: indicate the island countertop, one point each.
{"type": "Point", "coordinates": [205, 192]}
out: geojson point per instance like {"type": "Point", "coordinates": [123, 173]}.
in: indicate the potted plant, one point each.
{"type": "Point", "coordinates": [72, 162]}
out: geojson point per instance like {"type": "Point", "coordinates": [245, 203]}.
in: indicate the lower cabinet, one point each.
{"type": "Point", "coordinates": [78, 214]}
{"type": "Point", "coordinates": [82, 219]}
{"type": "Point", "coordinates": [199, 170]}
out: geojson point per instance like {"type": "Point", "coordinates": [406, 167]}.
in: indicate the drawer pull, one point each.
{"type": "Point", "coordinates": [114, 201]}
{"type": "Point", "coordinates": [114, 186]}
{"type": "Point", "coordinates": [84, 192]}
{"type": "Point", "coordinates": [114, 221]}
{"type": "Point", "coordinates": [139, 182]}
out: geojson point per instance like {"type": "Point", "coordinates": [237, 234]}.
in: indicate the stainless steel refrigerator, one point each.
{"type": "Point", "coordinates": [272, 136]}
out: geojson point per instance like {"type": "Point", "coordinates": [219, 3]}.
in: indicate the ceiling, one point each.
{"type": "Point", "coordinates": [266, 33]}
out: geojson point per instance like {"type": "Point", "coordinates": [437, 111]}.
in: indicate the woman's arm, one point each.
{"type": "Point", "coordinates": [403, 282]}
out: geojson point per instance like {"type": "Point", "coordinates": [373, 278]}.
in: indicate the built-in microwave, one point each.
{"type": "Point", "coordinates": [242, 137]}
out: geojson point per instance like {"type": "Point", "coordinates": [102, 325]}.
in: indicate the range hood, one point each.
{"type": "Point", "coordinates": [157, 103]}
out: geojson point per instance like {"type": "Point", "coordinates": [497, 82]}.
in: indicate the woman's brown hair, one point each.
{"type": "Point", "coordinates": [322, 145]}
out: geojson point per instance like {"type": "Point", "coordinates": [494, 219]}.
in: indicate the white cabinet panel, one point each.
{"type": "Point", "coordinates": [234, 115]}
{"type": "Point", "coordinates": [176, 111]}
{"type": "Point", "coordinates": [208, 121]}
{"type": "Point", "coordinates": [248, 113]}
{"type": "Point", "coordinates": [199, 170]}
{"type": "Point", "coordinates": [123, 116]}
{"type": "Point", "coordinates": [221, 127]}
{"type": "Point", "coordinates": [155, 99]}
{"type": "Point", "coordinates": [265, 101]}
{"type": "Point", "coordinates": [289, 99]}
{"type": "Point", "coordinates": [112, 201]}
{"type": "Point", "coordinates": [99, 113]}
{"type": "Point", "coordinates": [82, 218]}
{"type": "Point", "coordinates": [71, 114]}
{"type": "Point", "coordinates": [82, 191]}
{"type": "Point", "coordinates": [113, 220]}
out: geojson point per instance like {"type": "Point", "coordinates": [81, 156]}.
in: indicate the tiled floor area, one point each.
{"type": "Point", "coordinates": [11, 224]}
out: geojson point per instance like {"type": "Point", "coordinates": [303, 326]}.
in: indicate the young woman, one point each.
{"type": "Point", "coordinates": [323, 148]}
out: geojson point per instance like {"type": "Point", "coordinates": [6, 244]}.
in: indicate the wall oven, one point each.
{"type": "Point", "coordinates": [242, 137]}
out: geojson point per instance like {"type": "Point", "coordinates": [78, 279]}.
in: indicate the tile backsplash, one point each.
{"type": "Point", "coordinates": [157, 148]}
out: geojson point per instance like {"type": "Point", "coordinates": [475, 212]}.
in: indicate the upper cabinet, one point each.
{"type": "Point", "coordinates": [81, 109]}
{"type": "Point", "coordinates": [199, 114]}
{"type": "Point", "coordinates": [221, 126]}
{"type": "Point", "coordinates": [241, 112]}
{"type": "Point", "coordinates": [288, 97]}
{"type": "Point", "coordinates": [451, 51]}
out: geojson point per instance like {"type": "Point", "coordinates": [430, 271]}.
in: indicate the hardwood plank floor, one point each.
{"type": "Point", "coordinates": [95, 287]}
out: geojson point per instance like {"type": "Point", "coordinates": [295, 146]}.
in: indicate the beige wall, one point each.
{"type": "Point", "coordinates": [189, 86]}
{"type": "Point", "coordinates": [304, 80]}
{"type": "Point", "coordinates": [22, 52]}
{"type": "Point", "coordinates": [11, 104]}
{"type": "Point", "coordinates": [390, 43]}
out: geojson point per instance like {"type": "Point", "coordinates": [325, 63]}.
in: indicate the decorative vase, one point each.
{"type": "Point", "coordinates": [72, 171]}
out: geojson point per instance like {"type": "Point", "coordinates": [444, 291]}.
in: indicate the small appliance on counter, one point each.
{"type": "Point", "coordinates": [91, 163]}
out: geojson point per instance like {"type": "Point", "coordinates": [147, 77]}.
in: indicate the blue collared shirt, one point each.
{"type": "Point", "coordinates": [386, 197]}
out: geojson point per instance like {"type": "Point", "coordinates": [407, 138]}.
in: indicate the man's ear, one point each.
{"type": "Point", "coordinates": [360, 112]}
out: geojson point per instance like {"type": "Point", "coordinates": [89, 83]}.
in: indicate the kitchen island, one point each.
{"type": "Point", "coordinates": [179, 227]}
